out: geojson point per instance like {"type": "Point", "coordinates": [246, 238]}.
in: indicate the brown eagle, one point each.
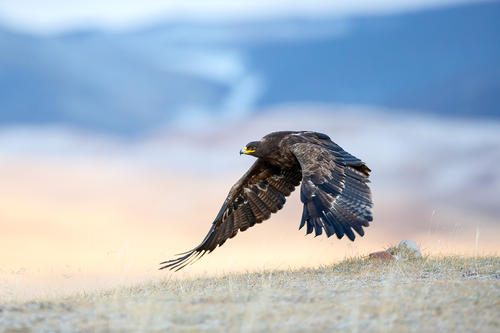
{"type": "Point", "coordinates": [334, 190]}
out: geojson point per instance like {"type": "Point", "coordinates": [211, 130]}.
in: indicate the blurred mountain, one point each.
{"type": "Point", "coordinates": [443, 61]}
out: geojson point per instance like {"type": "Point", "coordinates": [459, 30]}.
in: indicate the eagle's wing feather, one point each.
{"type": "Point", "coordinates": [334, 187]}
{"type": "Point", "coordinates": [260, 192]}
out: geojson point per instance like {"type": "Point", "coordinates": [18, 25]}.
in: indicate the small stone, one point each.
{"type": "Point", "coordinates": [382, 255]}
{"type": "Point", "coordinates": [405, 250]}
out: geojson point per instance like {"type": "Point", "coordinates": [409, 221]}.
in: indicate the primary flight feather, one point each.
{"type": "Point", "coordinates": [334, 190]}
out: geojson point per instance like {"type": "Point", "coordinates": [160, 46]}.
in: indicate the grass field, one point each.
{"type": "Point", "coordinates": [433, 294]}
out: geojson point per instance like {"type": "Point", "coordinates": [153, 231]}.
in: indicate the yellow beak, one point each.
{"type": "Point", "coordinates": [245, 150]}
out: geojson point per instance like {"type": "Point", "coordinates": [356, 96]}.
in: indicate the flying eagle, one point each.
{"type": "Point", "coordinates": [334, 191]}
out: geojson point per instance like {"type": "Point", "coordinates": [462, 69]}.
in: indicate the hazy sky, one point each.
{"type": "Point", "coordinates": [86, 211]}
{"type": "Point", "coordinates": [58, 15]}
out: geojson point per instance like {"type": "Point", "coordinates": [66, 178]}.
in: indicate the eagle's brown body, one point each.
{"type": "Point", "coordinates": [334, 190]}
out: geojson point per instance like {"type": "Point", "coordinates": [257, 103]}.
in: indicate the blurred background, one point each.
{"type": "Point", "coordinates": [121, 123]}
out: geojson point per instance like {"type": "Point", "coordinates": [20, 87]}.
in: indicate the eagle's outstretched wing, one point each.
{"type": "Point", "coordinates": [260, 192]}
{"type": "Point", "coordinates": [334, 187]}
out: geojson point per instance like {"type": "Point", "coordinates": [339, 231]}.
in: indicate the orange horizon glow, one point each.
{"type": "Point", "coordinates": [67, 228]}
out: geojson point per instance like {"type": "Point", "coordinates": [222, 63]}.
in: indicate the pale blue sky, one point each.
{"type": "Point", "coordinates": [46, 16]}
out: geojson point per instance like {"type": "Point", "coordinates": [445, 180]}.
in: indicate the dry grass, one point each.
{"type": "Point", "coordinates": [430, 294]}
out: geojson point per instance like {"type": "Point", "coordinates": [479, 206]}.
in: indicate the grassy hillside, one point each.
{"type": "Point", "coordinates": [430, 294]}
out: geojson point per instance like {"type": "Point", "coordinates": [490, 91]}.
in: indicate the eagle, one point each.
{"type": "Point", "coordinates": [334, 190]}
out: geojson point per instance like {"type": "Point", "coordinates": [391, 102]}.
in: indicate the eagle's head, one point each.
{"type": "Point", "coordinates": [251, 148]}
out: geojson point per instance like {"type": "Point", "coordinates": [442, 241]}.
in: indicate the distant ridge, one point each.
{"type": "Point", "coordinates": [444, 61]}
